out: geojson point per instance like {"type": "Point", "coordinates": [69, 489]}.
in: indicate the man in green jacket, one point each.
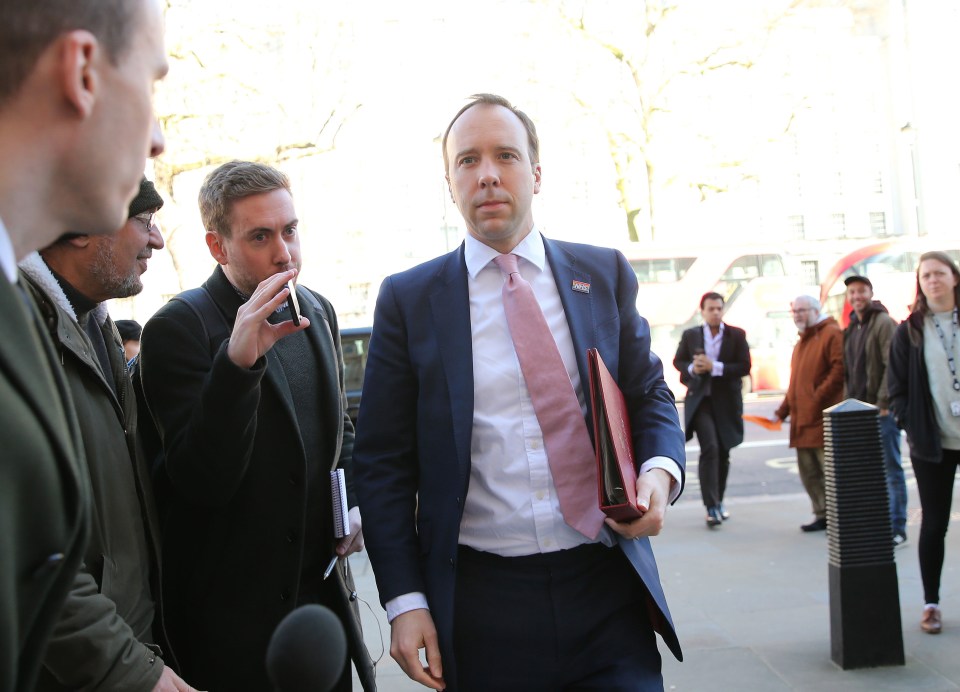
{"type": "Point", "coordinates": [109, 629]}
{"type": "Point", "coordinates": [76, 126]}
{"type": "Point", "coordinates": [866, 351]}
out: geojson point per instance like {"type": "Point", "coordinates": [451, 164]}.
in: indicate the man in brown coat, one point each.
{"type": "Point", "coordinates": [816, 383]}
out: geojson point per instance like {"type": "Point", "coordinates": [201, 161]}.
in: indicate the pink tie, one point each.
{"type": "Point", "coordinates": [569, 451]}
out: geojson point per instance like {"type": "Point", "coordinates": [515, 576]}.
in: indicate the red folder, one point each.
{"type": "Point", "coordinates": [616, 467]}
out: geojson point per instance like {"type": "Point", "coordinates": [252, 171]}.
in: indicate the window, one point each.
{"type": "Point", "coordinates": [878, 223]}
{"type": "Point", "coordinates": [658, 271]}
{"type": "Point", "coordinates": [839, 224]}
{"type": "Point", "coordinates": [795, 225]}
{"type": "Point", "coordinates": [810, 269]}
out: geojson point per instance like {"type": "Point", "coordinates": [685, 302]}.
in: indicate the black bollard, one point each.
{"type": "Point", "coordinates": [865, 629]}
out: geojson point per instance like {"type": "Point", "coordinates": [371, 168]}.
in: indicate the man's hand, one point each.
{"type": "Point", "coordinates": [653, 491]}
{"type": "Point", "coordinates": [702, 364]}
{"type": "Point", "coordinates": [252, 335]}
{"type": "Point", "coordinates": [410, 632]}
{"type": "Point", "coordinates": [353, 542]}
{"type": "Point", "coordinates": [171, 682]}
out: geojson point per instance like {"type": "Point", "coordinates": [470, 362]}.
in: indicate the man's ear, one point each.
{"type": "Point", "coordinates": [80, 241]}
{"type": "Point", "coordinates": [450, 188]}
{"type": "Point", "coordinates": [79, 53]}
{"type": "Point", "coordinates": [215, 245]}
{"type": "Point", "coordinates": [536, 178]}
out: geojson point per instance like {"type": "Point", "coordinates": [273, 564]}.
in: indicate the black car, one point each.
{"type": "Point", "coordinates": [354, 343]}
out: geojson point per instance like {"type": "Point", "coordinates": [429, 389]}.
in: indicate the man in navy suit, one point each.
{"type": "Point", "coordinates": [474, 562]}
{"type": "Point", "coordinates": [713, 359]}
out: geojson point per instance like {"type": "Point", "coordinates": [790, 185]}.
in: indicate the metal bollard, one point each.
{"type": "Point", "coordinates": [865, 628]}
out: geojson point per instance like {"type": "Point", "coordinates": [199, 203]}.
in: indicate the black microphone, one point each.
{"type": "Point", "coordinates": [307, 652]}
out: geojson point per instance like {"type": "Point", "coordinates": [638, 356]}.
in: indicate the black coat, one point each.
{"type": "Point", "coordinates": [908, 385]}
{"type": "Point", "coordinates": [726, 392]}
{"type": "Point", "coordinates": [234, 457]}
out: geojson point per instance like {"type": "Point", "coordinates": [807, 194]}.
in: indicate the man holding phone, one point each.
{"type": "Point", "coordinates": [251, 410]}
{"type": "Point", "coordinates": [713, 359]}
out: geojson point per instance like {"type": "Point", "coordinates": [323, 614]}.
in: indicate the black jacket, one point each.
{"type": "Point", "coordinates": [909, 387]}
{"type": "Point", "coordinates": [234, 456]}
{"type": "Point", "coordinates": [726, 391]}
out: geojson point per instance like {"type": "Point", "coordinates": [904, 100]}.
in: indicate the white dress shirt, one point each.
{"type": "Point", "coordinates": [8, 260]}
{"type": "Point", "coordinates": [511, 508]}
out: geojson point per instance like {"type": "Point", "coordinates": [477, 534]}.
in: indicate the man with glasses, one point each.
{"type": "Point", "coordinates": [816, 383]}
{"type": "Point", "coordinates": [110, 626]}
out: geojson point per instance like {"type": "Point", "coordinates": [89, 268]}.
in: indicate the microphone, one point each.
{"type": "Point", "coordinates": [307, 651]}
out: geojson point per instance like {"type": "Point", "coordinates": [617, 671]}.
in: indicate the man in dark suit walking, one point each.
{"type": "Point", "coordinates": [76, 127]}
{"type": "Point", "coordinates": [252, 415]}
{"type": "Point", "coordinates": [468, 525]}
{"type": "Point", "coordinates": [713, 359]}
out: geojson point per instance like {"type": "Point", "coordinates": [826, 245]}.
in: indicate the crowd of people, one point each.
{"type": "Point", "coordinates": [165, 493]}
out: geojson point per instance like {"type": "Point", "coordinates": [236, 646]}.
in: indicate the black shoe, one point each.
{"type": "Point", "coordinates": [815, 525]}
{"type": "Point", "coordinates": [713, 517]}
{"type": "Point", "coordinates": [724, 514]}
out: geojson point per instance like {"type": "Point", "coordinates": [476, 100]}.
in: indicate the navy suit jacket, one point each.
{"type": "Point", "coordinates": [412, 451]}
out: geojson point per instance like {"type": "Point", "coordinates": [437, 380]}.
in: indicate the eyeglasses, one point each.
{"type": "Point", "coordinates": [146, 218]}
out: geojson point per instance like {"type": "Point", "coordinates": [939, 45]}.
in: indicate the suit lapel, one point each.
{"type": "Point", "coordinates": [450, 321]}
{"type": "Point", "coordinates": [577, 306]}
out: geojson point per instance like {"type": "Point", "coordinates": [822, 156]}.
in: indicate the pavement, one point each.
{"type": "Point", "coordinates": [751, 604]}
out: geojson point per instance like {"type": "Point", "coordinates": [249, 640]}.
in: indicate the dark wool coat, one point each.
{"type": "Point", "coordinates": [234, 458]}
{"type": "Point", "coordinates": [726, 391]}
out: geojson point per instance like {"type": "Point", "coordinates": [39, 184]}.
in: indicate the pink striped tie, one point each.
{"type": "Point", "coordinates": [565, 437]}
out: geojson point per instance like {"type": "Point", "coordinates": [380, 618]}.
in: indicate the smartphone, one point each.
{"type": "Point", "coordinates": [293, 303]}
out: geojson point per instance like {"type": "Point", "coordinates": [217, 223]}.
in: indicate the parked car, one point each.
{"type": "Point", "coordinates": [354, 342]}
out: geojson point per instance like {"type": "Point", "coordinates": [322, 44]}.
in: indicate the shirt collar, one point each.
{"type": "Point", "coordinates": [478, 255]}
{"type": "Point", "coordinates": [8, 260]}
{"type": "Point", "coordinates": [707, 332]}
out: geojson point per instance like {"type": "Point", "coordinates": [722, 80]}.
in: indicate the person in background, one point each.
{"type": "Point", "coordinates": [816, 383]}
{"type": "Point", "coordinates": [713, 359]}
{"type": "Point", "coordinates": [924, 388]}
{"type": "Point", "coordinates": [486, 555]}
{"type": "Point", "coordinates": [106, 639]}
{"type": "Point", "coordinates": [866, 350]}
{"type": "Point", "coordinates": [130, 331]}
{"type": "Point", "coordinates": [76, 128]}
{"type": "Point", "coordinates": [252, 416]}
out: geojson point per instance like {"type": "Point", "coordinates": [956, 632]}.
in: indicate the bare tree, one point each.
{"type": "Point", "coordinates": [661, 52]}
{"type": "Point", "coordinates": [241, 87]}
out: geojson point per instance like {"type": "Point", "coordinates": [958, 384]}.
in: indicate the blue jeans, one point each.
{"type": "Point", "coordinates": [893, 465]}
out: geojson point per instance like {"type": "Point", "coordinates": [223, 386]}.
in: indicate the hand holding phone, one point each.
{"type": "Point", "coordinates": [293, 303]}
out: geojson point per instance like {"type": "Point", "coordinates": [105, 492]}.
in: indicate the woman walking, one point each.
{"type": "Point", "coordinates": [924, 387]}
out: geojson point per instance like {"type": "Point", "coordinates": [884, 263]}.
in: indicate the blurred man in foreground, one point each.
{"type": "Point", "coordinates": [76, 126]}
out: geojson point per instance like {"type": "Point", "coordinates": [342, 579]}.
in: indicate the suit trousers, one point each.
{"type": "Point", "coordinates": [714, 465]}
{"type": "Point", "coordinates": [810, 465]}
{"type": "Point", "coordinates": [571, 620]}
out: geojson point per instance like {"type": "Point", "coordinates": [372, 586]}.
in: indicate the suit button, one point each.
{"type": "Point", "coordinates": [291, 536]}
{"type": "Point", "coordinates": [294, 481]}
{"type": "Point", "coordinates": [285, 594]}
{"type": "Point", "coordinates": [452, 563]}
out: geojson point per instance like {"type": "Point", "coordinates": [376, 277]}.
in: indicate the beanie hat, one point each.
{"type": "Point", "coordinates": [148, 198]}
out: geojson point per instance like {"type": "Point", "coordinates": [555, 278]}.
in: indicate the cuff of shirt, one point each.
{"type": "Point", "coordinates": [717, 369]}
{"type": "Point", "coordinates": [405, 603]}
{"type": "Point", "coordinates": [668, 465]}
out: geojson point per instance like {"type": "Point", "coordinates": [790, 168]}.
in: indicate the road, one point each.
{"type": "Point", "coordinates": [764, 465]}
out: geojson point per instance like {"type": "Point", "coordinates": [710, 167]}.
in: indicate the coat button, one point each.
{"type": "Point", "coordinates": [291, 536]}
{"type": "Point", "coordinates": [452, 563]}
{"type": "Point", "coordinates": [285, 594]}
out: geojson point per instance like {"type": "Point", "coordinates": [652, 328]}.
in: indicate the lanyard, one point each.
{"type": "Point", "coordinates": [949, 351]}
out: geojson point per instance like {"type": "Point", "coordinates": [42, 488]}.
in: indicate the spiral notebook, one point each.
{"type": "Point", "coordinates": [338, 492]}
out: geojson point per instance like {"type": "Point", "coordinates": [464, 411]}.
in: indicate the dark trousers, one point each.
{"type": "Point", "coordinates": [714, 463]}
{"type": "Point", "coordinates": [935, 487]}
{"type": "Point", "coordinates": [572, 621]}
